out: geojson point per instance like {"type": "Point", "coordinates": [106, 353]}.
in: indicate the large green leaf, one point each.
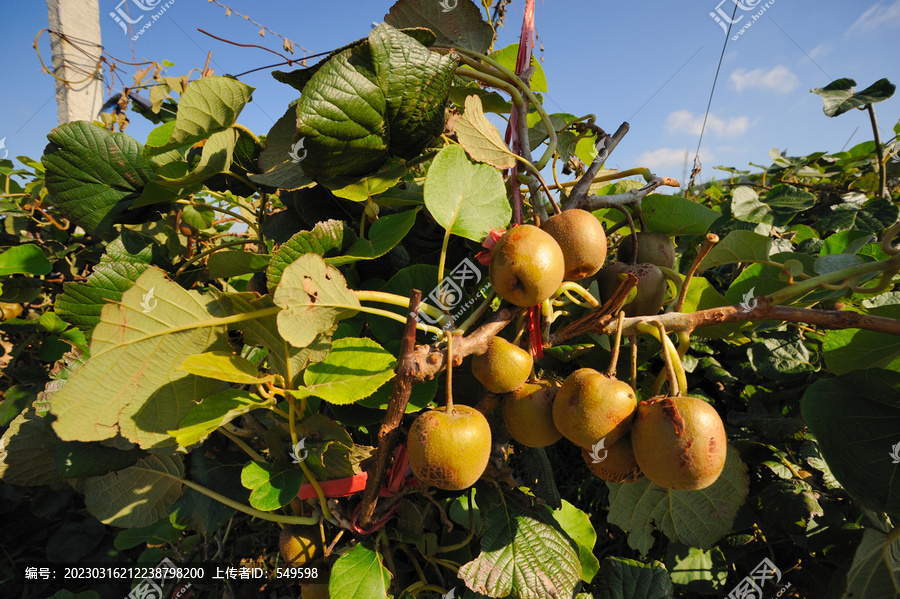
{"type": "Point", "coordinates": [224, 366]}
{"type": "Point", "coordinates": [674, 215]}
{"type": "Point", "coordinates": [75, 459]}
{"type": "Point", "coordinates": [384, 234]}
{"type": "Point", "coordinates": [508, 57]}
{"type": "Point", "coordinates": [578, 526]}
{"type": "Point", "coordinates": [93, 176]}
{"type": "Point", "coordinates": [209, 105]}
{"type": "Point", "coordinates": [213, 412]}
{"type": "Point", "coordinates": [313, 297]}
{"type": "Point", "coordinates": [359, 574]}
{"type": "Point", "coordinates": [341, 118]}
{"type": "Point", "coordinates": [234, 263]}
{"type": "Point", "coordinates": [131, 383]}
{"type": "Point", "coordinates": [273, 485]}
{"type": "Point", "coordinates": [216, 157]}
{"type": "Point", "coordinates": [466, 199]}
{"type": "Point", "coordinates": [696, 518]}
{"type": "Point", "coordinates": [738, 246]}
{"type": "Point", "coordinates": [353, 370]}
{"type": "Point", "coordinates": [855, 418]}
{"type": "Point", "coordinates": [840, 95]}
{"type": "Point", "coordinates": [873, 215]}
{"type": "Point", "coordinates": [26, 452]}
{"type": "Point", "coordinates": [325, 239]}
{"type": "Point", "coordinates": [480, 138]}
{"type": "Point", "coordinates": [875, 571]}
{"type": "Point", "coordinates": [622, 578]}
{"type": "Point", "coordinates": [521, 555]}
{"type": "Point", "coordinates": [137, 495]}
{"type": "Point", "coordinates": [280, 161]}
{"type": "Point", "coordinates": [857, 349]}
{"type": "Point", "coordinates": [462, 26]}
{"type": "Point", "coordinates": [24, 259]}
{"type": "Point", "coordinates": [416, 83]}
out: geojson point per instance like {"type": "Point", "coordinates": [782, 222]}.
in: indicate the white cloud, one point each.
{"type": "Point", "coordinates": [668, 158]}
{"type": "Point", "coordinates": [877, 16]}
{"type": "Point", "coordinates": [779, 79]}
{"type": "Point", "coordinates": [684, 121]}
{"type": "Point", "coordinates": [821, 50]}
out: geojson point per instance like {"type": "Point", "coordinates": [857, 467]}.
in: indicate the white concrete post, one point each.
{"type": "Point", "coordinates": [82, 99]}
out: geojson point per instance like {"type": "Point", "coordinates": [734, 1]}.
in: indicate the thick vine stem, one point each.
{"type": "Point", "coordinates": [605, 146]}
{"type": "Point", "coordinates": [633, 196]}
{"type": "Point", "coordinates": [389, 433]}
{"type": "Point", "coordinates": [599, 318]}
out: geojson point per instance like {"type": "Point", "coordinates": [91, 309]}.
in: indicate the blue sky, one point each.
{"type": "Point", "coordinates": [651, 63]}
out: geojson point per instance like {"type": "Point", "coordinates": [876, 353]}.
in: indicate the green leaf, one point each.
{"type": "Point", "coordinates": [353, 370]}
{"type": "Point", "coordinates": [277, 160]}
{"type": "Point", "coordinates": [875, 571]}
{"type": "Point", "coordinates": [136, 496]}
{"type": "Point", "coordinates": [745, 206]}
{"type": "Point", "coordinates": [466, 199]}
{"type": "Point", "coordinates": [313, 297]}
{"type": "Point", "coordinates": [273, 485]}
{"type": "Point", "coordinates": [846, 350]}
{"type": "Point", "coordinates": [738, 246]}
{"type": "Point", "coordinates": [74, 459]}
{"type": "Point", "coordinates": [840, 95]}
{"type": "Point", "coordinates": [26, 452]}
{"type": "Point", "coordinates": [480, 138]}
{"type": "Point", "coordinates": [341, 118]}
{"type": "Point", "coordinates": [855, 418]}
{"type": "Point", "coordinates": [578, 526]}
{"type": "Point", "coordinates": [130, 385]}
{"type": "Point", "coordinates": [416, 84]}
{"type": "Point", "coordinates": [701, 571]}
{"type": "Point", "coordinates": [215, 158]}
{"type": "Point", "coordinates": [225, 366]}
{"type": "Point", "coordinates": [509, 55]}
{"type": "Point", "coordinates": [461, 27]}
{"type": "Point", "coordinates": [216, 468]}
{"type": "Point", "coordinates": [874, 216]}
{"type": "Point", "coordinates": [782, 356]}
{"type": "Point", "coordinates": [787, 200]}
{"type": "Point", "coordinates": [359, 574]}
{"type": "Point", "coordinates": [209, 105]}
{"type": "Point", "coordinates": [521, 556]}
{"type": "Point", "coordinates": [621, 578]}
{"type": "Point", "coordinates": [361, 189]}
{"type": "Point", "coordinates": [93, 176]}
{"type": "Point", "coordinates": [846, 242]}
{"type": "Point", "coordinates": [327, 237]}
{"type": "Point", "coordinates": [24, 259]}
{"type": "Point", "coordinates": [384, 234]}
{"type": "Point", "coordinates": [213, 412]}
{"type": "Point", "coordinates": [234, 263]}
{"type": "Point", "coordinates": [702, 295]}
{"type": "Point", "coordinates": [674, 215]}
{"type": "Point", "coordinates": [159, 533]}
{"type": "Point", "coordinates": [695, 518]}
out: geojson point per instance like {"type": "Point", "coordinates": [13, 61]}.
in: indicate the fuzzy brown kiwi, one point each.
{"type": "Point", "coordinates": [528, 414]}
{"type": "Point", "coordinates": [617, 465]}
{"type": "Point", "coordinates": [503, 367]}
{"type": "Point", "coordinates": [449, 450]}
{"type": "Point", "coordinates": [582, 240]}
{"type": "Point", "coordinates": [591, 406]}
{"type": "Point", "coordinates": [527, 266]}
{"type": "Point", "coordinates": [651, 287]}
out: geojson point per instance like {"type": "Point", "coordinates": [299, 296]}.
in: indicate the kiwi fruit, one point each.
{"type": "Point", "coordinates": [503, 367]}
{"type": "Point", "coordinates": [527, 266]}
{"type": "Point", "coordinates": [449, 450]}
{"type": "Point", "coordinates": [299, 544]}
{"type": "Point", "coordinates": [679, 442]}
{"type": "Point", "coordinates": [582, 240]}
{"type": "Point", "coordinates": [528, 414]}
{"type": "Point", "coordinates": [651, 287]}
{"type": "Point", "coordinates": [590, 406]}
{"type": "Point", "coordinates": [619, 465]}
{"type": "Point", "coordinates": [655, 248]}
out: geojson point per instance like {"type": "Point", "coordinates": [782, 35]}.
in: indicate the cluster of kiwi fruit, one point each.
{"type": "Point", "coordinates": [677, 442]}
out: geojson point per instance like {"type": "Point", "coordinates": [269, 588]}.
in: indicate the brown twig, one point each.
{"type": "Point", "coordinates": [708, 243]}
{"type": "Point", "coordinates": [607, 144]}
{"type": "Point", "coordinates": [390, 426]}
{"type": "Point", "coordinates": [599, 318]}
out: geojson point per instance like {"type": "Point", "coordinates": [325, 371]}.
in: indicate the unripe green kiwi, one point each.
{"type": "Point", "coordinates": [650, 292]}
{"type": "Point", "coordinates": [527, 266]}
{"type": "Point", "coordinates": [679, 442]}
{"type": "Point", "coordinates": [617, 463]}
{"type": "Point", "coordinates": [449, 450]}
{"type": "Point", "coordinates": [582, 240]}
{"type": "Point", "coordinates": [503, 367]}
{"type": "Point", "coordinates": [528, 414]}
{"type": "Point", "coordinates": [591, 406]}
{"type": "Point", "coordinates": [655, 248]}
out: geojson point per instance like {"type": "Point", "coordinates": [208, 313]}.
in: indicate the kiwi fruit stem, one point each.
{"type": "Point", "coordinates": [574, 287]}
{"type": "Point", "coordinates": [449, 372]}
{"type": "Point", "coordinates": [684, 344]}
{"type": "Point", "coordinates": [674, 385]}
{"type": "Point", "coordinates": [614, 359]}
{"type": "Point", "coordinates": [676, 279]}
{"type": "Point", "coordinates": [670, 354]}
